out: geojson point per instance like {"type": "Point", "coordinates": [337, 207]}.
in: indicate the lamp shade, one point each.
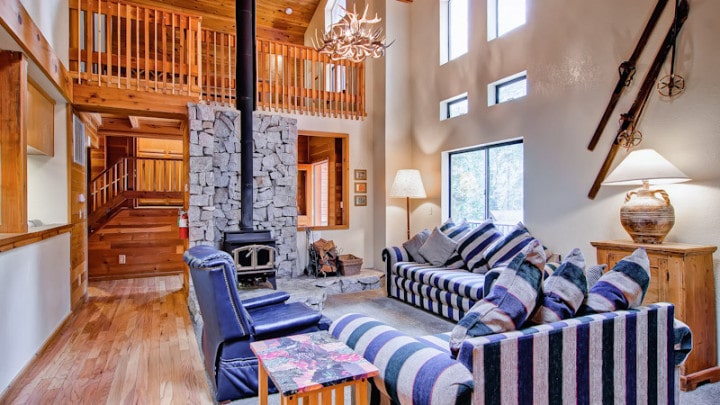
{"type": "Point", "coordinates": [645, 165]}
{"type": "Point", "coordinates": [407, 184]}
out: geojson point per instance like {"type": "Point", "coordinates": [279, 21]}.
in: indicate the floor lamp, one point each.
{"type": "Point", "coordinates": [407, 184]}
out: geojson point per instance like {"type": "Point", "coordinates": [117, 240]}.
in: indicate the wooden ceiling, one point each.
{"type": "Point", "coordinates": [272, 22]}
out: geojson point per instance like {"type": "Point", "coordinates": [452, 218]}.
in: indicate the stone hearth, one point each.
{"type": "Point", "coordinates": [215, 196]}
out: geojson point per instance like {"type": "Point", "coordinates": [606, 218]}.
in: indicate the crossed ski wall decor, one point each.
{"type": "Point", "coordinates": [627, 135]}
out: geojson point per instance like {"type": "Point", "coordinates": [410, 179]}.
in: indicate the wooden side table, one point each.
{"type": "Point", "coordinates": [311, 366]}
{"type": "Point", "coordinates": [683, 275]}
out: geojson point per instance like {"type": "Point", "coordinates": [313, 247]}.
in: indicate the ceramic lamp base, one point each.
{"type": "Point", "coordinates": [647, 218]}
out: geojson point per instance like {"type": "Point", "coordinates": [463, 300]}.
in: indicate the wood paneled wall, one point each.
{"type": "Point", "coordinates": [147, 237]}
{"type": "Point", "coordinates": [78, 220]}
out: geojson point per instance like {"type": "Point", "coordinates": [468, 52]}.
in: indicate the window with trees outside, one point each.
{"type": "Point", "coordinates": [486, 182]}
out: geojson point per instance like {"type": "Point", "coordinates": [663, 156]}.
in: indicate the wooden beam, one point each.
{"type": "Point", "coordinates": [123, 101]}
{"type": "Point", "coordinates": [13, 148]}
{"type": "Point", "coordinates": [17, 22]}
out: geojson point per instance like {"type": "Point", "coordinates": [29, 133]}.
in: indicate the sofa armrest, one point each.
{"type": "Point", "coordinates": [411, 370]}
{"type": "Point", "coordinates": [683, 341]}
{"type": "Point", "coordinates": [276, 297]}
{"type": "Point", "coordinates": [601, 358]}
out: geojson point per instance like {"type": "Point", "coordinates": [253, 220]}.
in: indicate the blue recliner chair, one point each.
{"type": "Point", "coordinates": [231, 324]}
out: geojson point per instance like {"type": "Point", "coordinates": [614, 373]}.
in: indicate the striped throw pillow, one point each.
{"type": "Point", "coordinates": [472, 245]}
{"type": "Point", "coordinates": [564, 291]}
{"type": "Point", "coordinates": [456, 233]}
{"type": "Point", "coordinates": [507, 247]}
{"type": "Point", "coordinates": [509, 302]}
{"type": "Point", "coordinates": [623, 287]}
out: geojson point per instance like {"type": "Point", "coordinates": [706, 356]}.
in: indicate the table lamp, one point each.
{"type": "Point", "coordinates": [407, 184]}
{"type": "Point", "coordinates": [647, 214]}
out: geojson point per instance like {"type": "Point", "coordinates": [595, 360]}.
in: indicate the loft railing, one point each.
{"type": "Point", "coordinates": [133, 47]}
{"type": "Point", "coordinates": [127, 46]}
{"type": "Point", "coordinates": [290, 78]}
{"type": "Point", "coordinates": [135, 178]}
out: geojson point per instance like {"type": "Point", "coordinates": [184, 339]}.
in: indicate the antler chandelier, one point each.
{"type": "Point", "coordinates": [353, 38]}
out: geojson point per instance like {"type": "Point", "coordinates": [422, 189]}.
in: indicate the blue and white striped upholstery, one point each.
{"type": "Point", "coordinates": [508, 246]}
{"type": "Point", "coordinates": [412, 371]}
{"type": "Point", "coordinates": [449, 293]}
{"type": "Point", "coordinates": [472, 245]}
{"type": "Point", "coordinates": [613, 357]}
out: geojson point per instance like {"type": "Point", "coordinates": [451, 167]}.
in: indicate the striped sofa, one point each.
{"type": "Point", "coordinates": [621, 357]}
{"type": "Point", "coordinates": [446, 292]}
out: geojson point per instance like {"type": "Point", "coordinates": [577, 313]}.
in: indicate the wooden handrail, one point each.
{"type": "Point", "coordinates": [133, 47]}
{"type": "Point", "coordinates": [136, 174]}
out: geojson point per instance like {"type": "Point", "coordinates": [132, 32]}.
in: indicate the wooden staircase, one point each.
{"type": "Point", "coordinates": [131, 182]}
{"type": "Point", "coordinates": [132, 223]}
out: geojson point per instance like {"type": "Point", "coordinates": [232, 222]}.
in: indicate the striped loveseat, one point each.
{"type": "Point", "coordinates": [443, 291]}
{"type": "Point", "coordinates": [616, 357]}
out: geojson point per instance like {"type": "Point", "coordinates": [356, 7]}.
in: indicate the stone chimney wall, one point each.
{"type": "Point", "coordinates": [215, 179]}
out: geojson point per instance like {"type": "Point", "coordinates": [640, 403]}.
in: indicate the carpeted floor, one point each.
{"type": "Point", "coordinates": [418, 323]}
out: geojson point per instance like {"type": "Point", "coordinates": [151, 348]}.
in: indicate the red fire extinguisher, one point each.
{"type": "Point", "coordinates": [183, 224]}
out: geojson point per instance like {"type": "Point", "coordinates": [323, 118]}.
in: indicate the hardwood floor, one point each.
{"type": "Point", "coordinates": [131, 343]}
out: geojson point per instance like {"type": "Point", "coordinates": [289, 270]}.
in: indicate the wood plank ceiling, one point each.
{"type": "Point", "coordinates": [272, 21]}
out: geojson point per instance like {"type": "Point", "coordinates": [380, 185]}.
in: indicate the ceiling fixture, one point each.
{"type": "Point", "coordinates": [289, 11]}
{"type": "Point", "coordinates": [353, 38]}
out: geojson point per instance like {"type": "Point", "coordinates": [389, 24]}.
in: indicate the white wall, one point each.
{"type": "Point", "coordinates": [35, 297]}
{"type": "Point", "coordinates": [571, 51]}
{"type": "Point", "coordinates": [47, 177]}
{"type": "Point", "coordinates": [52, 17]}
{"type": "Point", "coordinates": [35, 279]}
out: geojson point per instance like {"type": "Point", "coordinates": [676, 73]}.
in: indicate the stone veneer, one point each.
{"type": "Point", "coordinates": [214, 205]}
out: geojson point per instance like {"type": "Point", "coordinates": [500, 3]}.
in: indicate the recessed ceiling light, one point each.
{"type": "Point", "coordinates": [289, 11]}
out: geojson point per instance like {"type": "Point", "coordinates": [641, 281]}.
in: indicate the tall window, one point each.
{"type": "Point", "coordinates": [504, 16]}
{"type": "Point", "coordinates": [453, 29]}
{"type": "Point", "coordinates": [486, 182]}
{"type": "Point", "coordinates": [334, 12]}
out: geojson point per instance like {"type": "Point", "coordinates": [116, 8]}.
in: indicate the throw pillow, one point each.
{"type": "Point", "coordinates": [438, 248]}
{"type": "Point", "coordinates": [623, 287]}
{"type": "Point", "coordinates": [509, 302]}
{"type": "Point", "coordinates": [413, 245]}
{"type": "Point", "coordinates": [549, 269]}
{"type": "Point", "coordinates": [472, 245]}
{"type": "Point", "coordinates": [449, 223]}
{"type": "Point", "coordinates": [456, 233]}
{"type": "Point", "coordinates": [564, 291]}
{"type": "Point", "coordinates": [506, 248]}
{"type": "Point", "coordinates": [594, 273]}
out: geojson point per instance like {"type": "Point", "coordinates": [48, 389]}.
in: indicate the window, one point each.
{"type": "Point", "coordinates": [334, 12]}
{"type": "Point", "coordinates": [454, 107]}
{"type": "Point", "coordinates": [504, 16]}
{"type": "Point", "coordinates": [486, 182]}
{"type": "Point", "coordinates": [507, 89]}
{"type": "Point", "coordinates": [453, 29]}
{"type": "Point", "coordinates": [322, 187]}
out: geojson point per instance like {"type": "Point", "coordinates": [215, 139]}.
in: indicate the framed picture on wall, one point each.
{"type": "Point", "coordinates": [361, 187]}
{"type": "Point", "coordinates": [360, 174]}
{"type": "Point", "coordinates": [360, 200]}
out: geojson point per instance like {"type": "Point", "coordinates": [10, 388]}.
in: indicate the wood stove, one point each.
{"type": "Point", "coordinates": [254, 255]}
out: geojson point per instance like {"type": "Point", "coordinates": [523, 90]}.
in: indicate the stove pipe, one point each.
{"type": "Point", "coordinates": [245, 82]}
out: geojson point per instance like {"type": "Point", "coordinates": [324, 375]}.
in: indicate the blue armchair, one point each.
{"type": "Point", "coordinates": [231, 324]}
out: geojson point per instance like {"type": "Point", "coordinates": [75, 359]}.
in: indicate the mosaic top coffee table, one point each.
{"type": "Point", "coordinates": [312, 366]}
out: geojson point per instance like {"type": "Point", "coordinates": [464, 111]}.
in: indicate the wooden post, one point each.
{"type": "Point", "coordinates": [13, 149]}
